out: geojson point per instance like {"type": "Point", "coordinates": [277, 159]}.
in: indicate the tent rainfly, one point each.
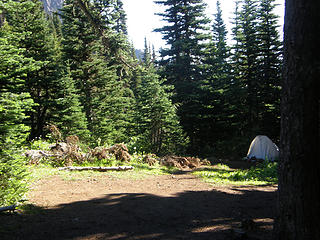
{"type": "Point", "coordinates": [263, 148]}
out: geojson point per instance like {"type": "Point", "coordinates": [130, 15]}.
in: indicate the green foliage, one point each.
{"type": "Point", "coordinates": [13, 133]}
{"type": "Point", "coordinates": [13, 65]}
{"type": "Point", "coordinates": [101, 81]}
{"type": "Point", "coordinates": [13, 173]}
{"type": "Point", "coordinates": [264, 173]}
{"type": "Point", "coordinates": [14, 104]}
{"type": "Point", "coordinates": [158, 125]}
{"type": "Point", "coordinates": [68, 114]}
{"type": "Point", "coordinates": [13, 107]}
{"type": "Point", "coordinates": [40, 144]}
{"type": "Point", "coordinates": [224, 97]}
{"type": "Point", "coordinates": [185, 35]}
{"type": "Point", "coordinates": [270, 68]}
{"type": "Point", "coordinates": [243, 86]}
{"type": "Point", "coordinates": [141, 170]}
{"type": "Point", "coordinates": [214, 90]}
{"type": "Point", "coordinates": [32, 33]}
{"type": "Point", "coordinates": [203, 94]}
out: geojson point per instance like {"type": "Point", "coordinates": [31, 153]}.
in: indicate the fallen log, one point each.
{"type": "Point", "coordinates": [8, 208]}
{"type": "Point", "coordinates": [100, 169]}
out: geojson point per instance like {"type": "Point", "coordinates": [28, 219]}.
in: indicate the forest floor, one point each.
{"type": "Point", "coordinates": [172, 206]}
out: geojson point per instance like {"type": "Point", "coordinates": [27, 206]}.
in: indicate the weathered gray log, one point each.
{"type": "Point", "coordinates": [100, 169]}
{"type": "Point", "coordinates": [37, 154]}
{"type": "Point", "coordinates": [8, 208]}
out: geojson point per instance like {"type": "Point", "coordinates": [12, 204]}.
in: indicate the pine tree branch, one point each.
{"type": "Point", "coordinates": [100, 31]}
{"type": "Point", "coordinates": [96, 25]}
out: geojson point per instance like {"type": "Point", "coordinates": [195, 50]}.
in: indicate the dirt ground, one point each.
{"type": "Point", "coordinates": [177, 206]}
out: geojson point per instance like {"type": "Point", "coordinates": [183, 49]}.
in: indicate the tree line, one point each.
{"type": "Point", "coordinates": [227, 92]}
{"type": "Point", "coordinates": [76, 69]}
{"type": "Point", "coordinates": [78, 84]}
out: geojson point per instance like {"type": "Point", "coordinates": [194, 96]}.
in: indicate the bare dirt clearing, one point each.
{"type": "Point", "coordinates": [177, 206]}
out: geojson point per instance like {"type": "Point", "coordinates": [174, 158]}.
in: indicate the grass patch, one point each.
{"type": "Point", "coordinates": [37, 172]}
{"type": "Point", "coordinates": [220, 174]}
{"type": "Point", "coordinates": [141, 170]}
{"type": "Point", "coordinates": [31, 209]}
{"type": "Point", "coordinates": [262, 174]}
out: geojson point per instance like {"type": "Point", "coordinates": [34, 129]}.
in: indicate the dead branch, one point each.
{"type": "Point", "coordinates": [183, 162]}
{"type": "Point", "coordinates": [8, 208]}
{"type": "Point", "coordinates": [100, 169]}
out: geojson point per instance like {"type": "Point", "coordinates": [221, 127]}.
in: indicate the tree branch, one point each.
{"type": "Point", "coordinates": [100, 169]}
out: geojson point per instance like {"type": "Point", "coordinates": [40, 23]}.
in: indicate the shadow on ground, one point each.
{"type": "Point", "coordinates": [188, 215]}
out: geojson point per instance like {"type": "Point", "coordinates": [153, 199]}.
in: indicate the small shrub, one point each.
{"type": "Point", "coordinates": [12, 135]}
{"type": "Point", "coordinates": [265, 171]}
{"type": "Point", "coordinates": [40, 144]}
{"type": "Point", "coordinates": [13, 185]}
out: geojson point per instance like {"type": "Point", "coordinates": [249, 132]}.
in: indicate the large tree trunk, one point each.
{"type": "Point", "coordinates": [299, 168]}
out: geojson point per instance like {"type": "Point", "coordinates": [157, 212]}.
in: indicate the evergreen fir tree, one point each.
{"type": "Point", "coordinates": [67, 112]}
{"type": "Point", "coordinates": [185, 34]}
{"type": "Point", "coordinates": [77, 42]}
{"type": "Point", "coordinates": [157, 124]}
{"type": "Point", "coordinates": [237, 89]}
{"type": "Point", "coordinates": [249, 65]}
{"type": "Point", "coordinates": [215, 88]}
{"type": "Point", "coordinates": [269, 69]}
{"type": "Point", "coordinates": [236, 37]}
{"type": "Point", "coordinates": [28, 17]}
{"type": "Point", "coordinates": [146, 59]}
{"type": "Point", "coordinates": [255, 73]}
{"type": "Point", "coordinates": [220, 36]}
{"type": "Point", "coordinates": [69, 115]}
{"type": "Point", "coordinates": [112, 102]}
{"type": "Point", "coordinates": [243, 90]}
{"type": "Point", "coordinates": [101, 78]}
{"type": "Point", "coordinates": [120, 18]}
{"type": "Point", "coordinates": [110, 14]}
{"type": "Point", "coordinates": [14, 103]}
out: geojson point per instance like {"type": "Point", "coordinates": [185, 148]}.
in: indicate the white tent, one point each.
{"type": "Point", "coordinates": [263, 148]}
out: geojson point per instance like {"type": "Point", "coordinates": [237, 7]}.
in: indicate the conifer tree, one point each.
{"type": "Point", "coordinates": [77, 46]}
{"type": "Point", "coordinates": [14, 103]}
{"type": "Point", "coordinates": [67, 112]}
{"type": "Point", "coordinates": [270, 66]}
{"type": "Point", "coordinates": [112, 102]}
{"type": "Point", "coordinates": [244, 85]}
{"type": "Point", "coordinates": [185, 33]}
{"type": "Point", "coordinates": [146, 54]}
{"type": "Point", "coordinates": [236, 37]}
{"type": "Point", "coordinates": [255, 72]}
{"type": "Point", "coordinates": [237, 87]}
{"type": "Point", "coordinates": [220, 36]}
{"type": "Point", "coordinates": [157, 124]}
{"type": "Point", "coordinates": [120, 18]}
{"type": "Point", "coordinates": [69, 115]}
{"type": "Point", "coordinates": [110, 14]}
{"type": "Point", "coordinates": [249, 63]}
{"type": "Point", "coordinates": [28, 18]}
{"type": "Point", "coordinates": [100, 77]}
{"type": "Point", "coordinates": [215, 87]}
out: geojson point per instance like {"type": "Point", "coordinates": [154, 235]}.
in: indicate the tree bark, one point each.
{"type": "Point", "coordinates": [299, 166]}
